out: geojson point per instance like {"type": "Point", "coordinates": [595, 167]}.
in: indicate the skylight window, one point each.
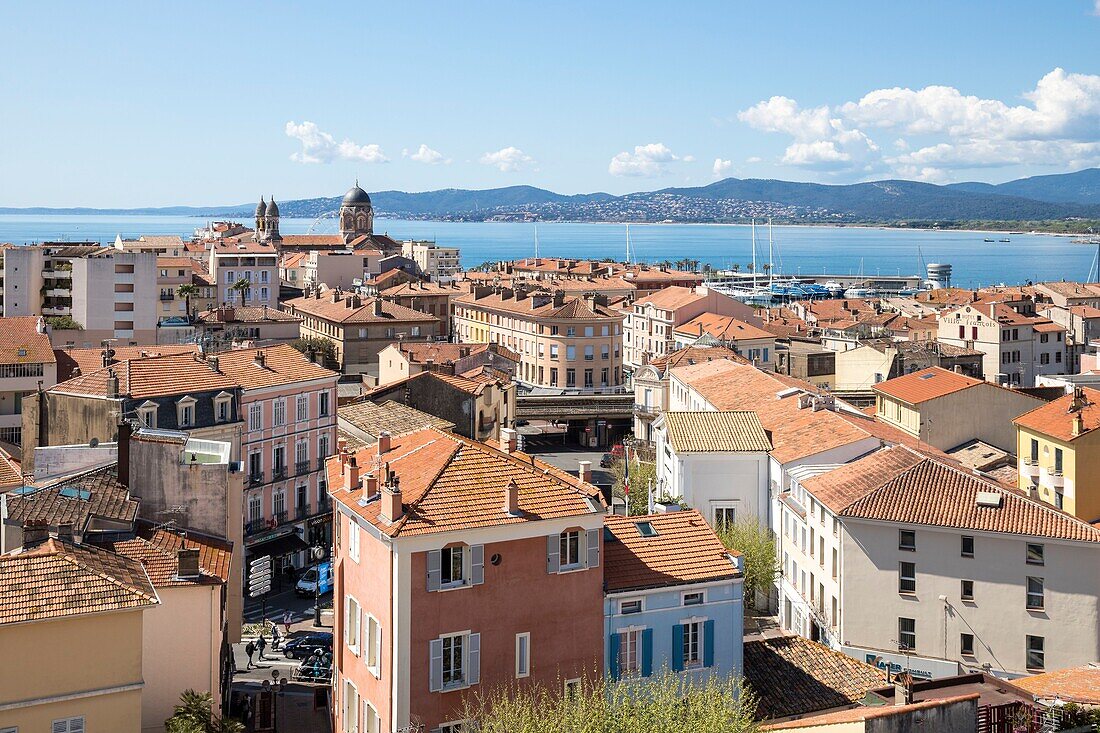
{"type": "Point", "coordinates": [926, 376]}
{"type": "Point", "coordinates": [71, 492]}
{"type": "Point", "coordinates": [645, 529]}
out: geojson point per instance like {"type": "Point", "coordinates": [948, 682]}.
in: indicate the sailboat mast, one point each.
{"type": "Point", "coordinates": [628, 244]}
{"type": "Point", "coordinates": [771, 265]}
{"type": "Point", "coordinates": [536, 240]}
{"type": "Point", "coordinates": [754, 253]}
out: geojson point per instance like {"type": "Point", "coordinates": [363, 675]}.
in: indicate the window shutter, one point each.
{"type": "Point", "coordinates": [708, 643]}
{"type": "Point", "coordinates": [347, 623]}
{"type": "Point", "coordinates": [473, 674]}
{"type": "Point", "coordinates": [613, 656]}
{"type": "Point", "coordinates": [435, 676]}
{"type": "Point", "coordinates": [552, 547]}
{"type": "Point", "coordinates": [592, 543]}
{"type": "Point", "coordinates": [647, 652]}
{"type": "Point", "coordinates": [60, 726]}
{"type": "Point", "coordinates": [677, 648]}
{"type": "Point", "coordinates": [477, 564]}
{"type": "Point", "coordinates": [435, 559]}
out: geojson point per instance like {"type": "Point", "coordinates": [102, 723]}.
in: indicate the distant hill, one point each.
{"type": "Point", "coordinates": [1082, 187]}
{"type": "Point", "coordinates": [1040, 198]}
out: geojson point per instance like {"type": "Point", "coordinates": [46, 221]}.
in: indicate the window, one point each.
{"type": "Point", "coordinates": [570, 353]}
{"type": "Point", "coordinates": [570, 549]}
{"type": "Point", "coordinates": [351, 707]}
{"type": "Point", "coordinates": [322, 404]}
{"type": "Point", "coordinates": [907, 540]}
{"type": "Point", "coordinates": [630, 648]}
{"type": "Point", "coordinates": [967, 592]}
{"type": "Point", "coordinates": [570, 377]}
{"type": "Point", "coordinates": [147, 414]}
{"type": "Point", "coordinates": [1036, 658]}
{"type": "Point", "coordinates": [523, 654]}
{"type": "Point", "coordinates": [1035, 554]}
{"type": "Point", "coordinates": [907, 577]}
{"type": "Point", "coordinates": [352, 620]}
{"type": "Point", "coordinates": [451, 566]}
{"type": "Point", "coordinates": [634, 605]}
{"type": "Point", "coordinates": [1034, 450]}
{"type": "Point", "coordinates": [967, 546]}
{"type": "Point", "coordinates": [1034, 594]}
{"type": "Point", "coordinates": [907, 634]}
{"type": "Point", "coordinates": [279, 412]}
{"type": "Point", "coordinates": [696, 598]}
{"type": "Point", "coordinates": [454, 662]}
{"type": "Point", "coordinates": [572, 689]}
{"type": "Point", "coordinates": [222, 407]}
{"type": "Point", "coordinates": [303, 407]}
{"type": "Point", "coordinates": [374, 646]}
{"type": "Point", "coordinates": [589, 353]}
{"type": "Point", "coordinates": [353, 540]}
{"type": "Point", "coordinates": [693, 644]}
{"type": "Point", "coordinates": [64, 725]}
{"type": "Point", "coordinates": [966, 645]}
{"type": "Point", "coordinates": [185, 412]}
{"type": "Point", "coordinates": [255, 416]}
{"type": "Point", "coordinates": [1057, 460]}
{"type": "Point", "coordinates": [371, 721]}
{"type": "Point", "coordinates": [554, 351]}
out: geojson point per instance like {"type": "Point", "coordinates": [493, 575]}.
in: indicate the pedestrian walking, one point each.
{"type": "Point", "coordinates": [250, 649]}
{"type": "Point", "coordinates": [275, 639]}
{"type": "Point", "coordinates": [287, 619]}
{"type": "Point", "coordinates": [261, 644]}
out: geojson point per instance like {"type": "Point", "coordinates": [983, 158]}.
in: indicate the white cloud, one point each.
{"type": "Point", "coordinates": [753, 159]}
{"type": "Point", "coordinates": [721, 166]}
{"type": "Point", "coordinates": [1096, 8]}
{"type": "Point", "coordinates": [424, 154]}
{"type": "Point", "coordinates": [1059, 125]}
{"type": "Point", "coordinates": [646, 161]}
{"type": "Point", "coordinates": [321, 147]}
{"type": "Point", "coordinates": [508, 159]}
{"type": "Point", "coordinates": [688, 159]}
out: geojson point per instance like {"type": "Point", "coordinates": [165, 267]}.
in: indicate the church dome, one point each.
{"type": "Point", "coordinates": [273, 208]}
{"type": "Point", "coordinates": [356, 197]}
{"type": "Point", "coordinates": [261, 208]}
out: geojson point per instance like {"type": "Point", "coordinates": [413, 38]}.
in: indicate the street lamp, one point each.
{"type": "Point", "coordinates": [318, 553]}
{"type": "Point", "coordinates": [276, 687]}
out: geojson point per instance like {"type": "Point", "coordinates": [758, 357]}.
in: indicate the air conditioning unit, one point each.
{"type": "Point", "coordinates": [236, 466]}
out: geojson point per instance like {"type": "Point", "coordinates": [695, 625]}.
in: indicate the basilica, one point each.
{"type": "Point", "coordinates": [356, 227]}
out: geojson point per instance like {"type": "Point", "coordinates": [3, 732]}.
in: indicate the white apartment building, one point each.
{"type": "Point", "coordinates": [242, 259]}
{"type": "Point", "coordinates": [441, 264]}
{"type": "Point", "coordinates": [1018, 348]}
{"type": "Point", "coordinates": [344, 269]}
{"type": "Point", "coordinates": [903, 561]}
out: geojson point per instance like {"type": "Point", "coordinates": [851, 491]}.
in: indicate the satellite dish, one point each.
{"type": "Point", "coordinates": [93, 443]}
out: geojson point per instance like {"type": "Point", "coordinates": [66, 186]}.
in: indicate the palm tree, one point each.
{"type": "Point", "coordinates": [185, 291]}
{"type": "Point", "coordinates": [750, 267]}
{"type": "Point", "coordinates": [767, 268]}
{"type": "Point", "coordinates": [241, 287]}
{"type": "Point", "coordinates": [195, 714]}
{"type": "Point", "coordinates": [735, 267]}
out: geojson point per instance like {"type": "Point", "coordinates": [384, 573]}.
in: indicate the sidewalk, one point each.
{"type": "Point", "coordinates": [276, 660]}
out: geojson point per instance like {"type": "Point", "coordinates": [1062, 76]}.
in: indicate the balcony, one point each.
{"type": "Point", "coordinates": [1057, 480]}
{"type": "Point", "coordinates": [1029, 467]}
{"type": "Point", "coordinates": [255, 526]}
{"type": "Point", "coordinates": [302, 511]}
{"type": "Point", "coordinates": [281, 517]}
{"type": "Point", "coordinates": [324, 506]}
{"type": "Point", "coordinates": [301, 467]}
{"type": "Point", "coordinates": [167, 296]}
{"type": "Point", "coordinates": [58, 274]}
{"type": "Point", "coordinates": [256, 478]}
{"type": "Point", "coordinates": [646, 410]}
{"type": "Point", "coordinates": [278, 472]}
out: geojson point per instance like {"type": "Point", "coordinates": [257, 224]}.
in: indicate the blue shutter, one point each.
{"type": "Point", "coordinates": [647, 652]}
{"type": "Point", "coordinates": [473, 674]}
{"type": "Point", "coordinates": [613, 656]}
{"type": "Point", "coordinates": [592, 543]}
{"type": "Point", "coordinates": [477, 564]}
{"type": "Point", "coordinates": [435, 561]}
{"type": "Point", "coordinates": [708, 643]}
{"type": "Point", "coordinates": [677, 648]}
{"type": "Point", "coordinates": [553, 562]}
{"type": "Point", "coordinates": [435, 675]}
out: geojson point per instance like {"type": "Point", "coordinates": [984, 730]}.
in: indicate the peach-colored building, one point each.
{"type": "Point", "coordinates": [566, 345]}
{"type": "Point", "coordinates": [439, 540]}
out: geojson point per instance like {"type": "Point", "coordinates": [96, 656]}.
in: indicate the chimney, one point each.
{"type": "Point", "coordinates": [584, 471]}
{"type": "Point", "coordinates": [370, 485]}
{"type": "Point", "coordinates": [392, 509]}
{"type": "Point", "coordinates": [264, 316]}
{"type": "Point", "coordinates": [35, 533]}
{"type": "Point", "coordinates": [377, 306]}
{"type": "Point", "coordinates": [65, 531]}
{"type": "Point", "coordinates": [123, 469]}
{"type": "Point", "coordinates": [509, 441]}
{"type": "Point", "coordinates": [385, 444]}
{"type": "Point", "coordinates": [351, 474]}
{"type": "Point", "coordinates": [559, 298]}
{"type": "Point", "coordinates": [188, 562]}
{"type": "Point", "coordinates": [112, 384]}
{"type": "Point", "coordinates": [903, 689]}
{"type": "Point", "coordinates": [260, 360]}
{"type": "Point", "coordinates": [342, 449]}
{"type": "Point", "coordinates": [511, 499]}
{"type": "Point", "coordinates": [1078, 424]}
{"type": "Point", "coordinates": [213, 362]}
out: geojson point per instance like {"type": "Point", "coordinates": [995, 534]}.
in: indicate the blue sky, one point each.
{"type": "Point", "coordinates": [140, 104]}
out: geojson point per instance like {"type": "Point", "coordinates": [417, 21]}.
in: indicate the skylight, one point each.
{"type": "Point", "coordinates": [645, 529]}
{"type": "Point", "coordinates": [72, 492]}
{"type": "Point", "coordinates": [926, 376]}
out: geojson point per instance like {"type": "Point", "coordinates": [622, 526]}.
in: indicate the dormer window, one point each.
{"type": "Point", "coordinates": [185, 412]}
{"type": "Point", "coordinates": [223, 407]}
{"type": "Point", "coordinates": [147, 414]}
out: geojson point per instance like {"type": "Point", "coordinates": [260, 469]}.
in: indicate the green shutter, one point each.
{"type": "Point", "coordinates": [708, 643]}
{"type": "Point", "coordinates": [677, 648]}
{"type": "Point", "coordinates": [613, 656]}
{"type": "Point", "coordinates": [647, 652]}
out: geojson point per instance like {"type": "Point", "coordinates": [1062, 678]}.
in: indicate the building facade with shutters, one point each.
{"type": "Point", "coordinates": [439, 543]}
{"type": "Point", "coordinates": [673, 598]}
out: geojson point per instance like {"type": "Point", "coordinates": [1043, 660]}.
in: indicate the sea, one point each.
{"type": "Point", "coordinates": [795, 250]}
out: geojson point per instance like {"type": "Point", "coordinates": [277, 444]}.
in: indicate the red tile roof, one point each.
{"type": "Point", "coordinates": [21, 343]}
{"type": "Point", "coordinates": [684, 550]}
{"type": "Point", "coordinates": [341, 312]}
{"type": "Point", "coordinates": [670, 298]}
{"type": "Point", "coordinates": [863, 713]}
{"type": "Point", "coordinates": [150, 377]}
{"type": "Point", "coordinates": [157, 550]}
{"type": "Point", "coordinates": [451, 483]}
{"type": "Point", "coordinates": [723, 328]}
{"type": "Point", "coordinates": [1074, 684]}
{"type": "Point", "coordinates": [926, 384]}
{"type": "Point", "coordinates": [71, 362]}
{"type": "Point", "coordinates": [283, 364]}
{"type": "Point", "coordinates": [1055, 419]}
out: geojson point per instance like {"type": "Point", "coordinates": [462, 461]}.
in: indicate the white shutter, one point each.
{"type": "Point", "coordinates": [473, 674]}
{"type": "Point", "coordinates": [60, 726]}
{"type": "Point", "coordinates": [76, 725]}
{"type": "Point", "coordinates": [435, 561]}
{"type": "Point", "coordinates": [477, 564]}
{"type": "Point", "coordinates": [347, 622]}
{"type": "Point", "coordinates": [593, 544]}
{"type": "Point", "coordinates": [553, 546]}
{"type": "Point", "coordinates": [435, 674]}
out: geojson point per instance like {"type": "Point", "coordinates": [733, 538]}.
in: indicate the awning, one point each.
{"type": "Point", "coordinates": [279, 545]}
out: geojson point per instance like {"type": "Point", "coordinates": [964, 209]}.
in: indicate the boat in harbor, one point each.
{"type": "Point", "coordinates": [987, 239]}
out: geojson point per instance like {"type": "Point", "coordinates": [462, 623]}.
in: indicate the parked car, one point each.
{"type": "Point", "coordinates": [607, 461]}
{"type": "Point", "coordinates": [307, 584]}
{"type": "Point", "coordinates": [301, 647]}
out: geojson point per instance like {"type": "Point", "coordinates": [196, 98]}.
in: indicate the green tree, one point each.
{"type": "Point", "coordinates": [195, 714]}
{"type": "Point", "coordinates": [323, 349]}
{"type": "Point", "coordinates": [665, 702]}
{"type": "Point", "coordinates": [643, 474]}
{"type": "Point", "coordinates": [735, 267]}
{"type": "Point", "coordinates": [63, 323]}
{"type": "Point", "coordinates": [185, 291]}
{"type": "Point", "coordinates": [757, 547]}
{"type": "Point", "coordinates": [241, 287]}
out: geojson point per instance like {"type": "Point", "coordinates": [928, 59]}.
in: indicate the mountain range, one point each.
{"type": "Point", "coordinates": [1039, 198]}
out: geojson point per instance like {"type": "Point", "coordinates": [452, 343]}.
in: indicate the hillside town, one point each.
{"type": "Point", "coordinates": [336, 482]}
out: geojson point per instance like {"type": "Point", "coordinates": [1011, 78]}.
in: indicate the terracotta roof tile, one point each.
{"type": "Point", "coordinates": [283, 364]}
{"type": "Point", "coordinates": [11, 471]}
{"type": "Point", "coordinates": [89, 360]}
{"type": "Point", "coordinates": [395, 417]}
{"type": "Point", "coordinates": [684, 550]}
{"type": "Point", "coordinates": [723, 328]}
{"type": "Point", "coordinates": [340, 312]}
{"type": "Point", "coordinates": [1074, 684]}
{"type": "Point", "coordinates": [864, 713]}
{"type": "Point", "coordinates": [157, 550]}
{"type": "Point", "coordinates": [57, 579]}
{"type": "Point", "coordinates": [1055, 419]}
{"type": "Point", "coordinates": [75, 499]}
{"type": "Point", "coordinates": [21, 343]}
{"type": "Point", "coordinates": [694, 355]}
{"type": "Point", "coordinates": [926, 384]}
{"type": "Point", "coordinates": [439, 352]}
{"type": "Point", "coordinates": [670, 298]}
{"type": "Point", "coordinates": [150, 377]}
{"type": "Point", "coordinates": [451, 483]}
{"type": "Point", "coordinates": [247, 314]}
{"type": "Point", "coordinates": [725, 431]}
{"type": "Point", "coordinates": [791, 675]}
